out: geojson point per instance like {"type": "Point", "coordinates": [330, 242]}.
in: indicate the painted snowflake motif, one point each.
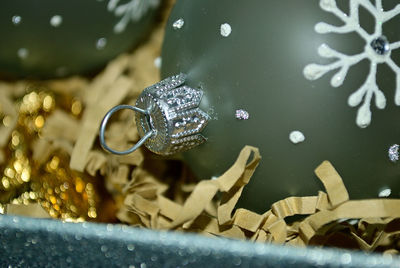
{"type": "Point", "coordinates": [131, 10]}
{"type": "Point", "coordinates": [377, 50]}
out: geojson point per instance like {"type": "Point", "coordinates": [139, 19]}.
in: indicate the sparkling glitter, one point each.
{"type": "Point", "coordinates": [101, 43]}
{"type": "Point", "coordinates": [16, 19]}
{"type": "Point", "coordinates": [5, 182]}
{"type": "Point", "coordinates": [25, 175]}
{"type": "Point", "coordinates": [47, 103]}
{"type": "Point", "coordinates": [7, 121]}
{"type": "Point", "coordinates": [76, 107]}
{"type": "Point", "coordinates": [393, 153]}
{"type": "Point", "coordinates": [242, 114]}
{"type": "Point", "coordinates": [22, 53]}
{"type": "Point", "coordinates": [56, 20]}
{"type": "Point", "coordinates": [296, 137]}
{"type": "Point", "coordinates": [178, 24]}
{"type": "Point", "coordinates": [226, 29]}
{"type": "Point", "coordinates": [39, 121]}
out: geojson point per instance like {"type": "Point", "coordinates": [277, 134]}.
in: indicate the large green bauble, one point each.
{"type": "Point", "coordinates": [328, 70]}
{"type": "Point", "coordinates": [47, 38]}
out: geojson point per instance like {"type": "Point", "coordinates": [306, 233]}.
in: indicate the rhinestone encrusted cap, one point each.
{"type": "Point", "coordinates": [174, 116]}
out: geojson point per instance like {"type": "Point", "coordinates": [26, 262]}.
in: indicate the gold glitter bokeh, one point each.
{"type": "Point", "coordinates": [63, 193]}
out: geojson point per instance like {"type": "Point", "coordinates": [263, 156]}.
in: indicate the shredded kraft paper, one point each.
{"type": "Point", "coordinates": [147, 195]}
{"type": "Point", "coordinates": [145, 205]}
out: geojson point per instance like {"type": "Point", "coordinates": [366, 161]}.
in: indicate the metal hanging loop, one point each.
{"type": "Point", "coordinates": [104, 125]}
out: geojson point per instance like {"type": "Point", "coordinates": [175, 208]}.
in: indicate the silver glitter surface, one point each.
{"type": "Point", "coordinates": [178, 24]}
{"type": "Point", "coordinates": [393, 153]}
{"type": "Point", "coordinates": [175, 114]}
{"type": "Point", "coordinates": [242, 114]}
{"type": "Point", "coordinates": [49, 243]}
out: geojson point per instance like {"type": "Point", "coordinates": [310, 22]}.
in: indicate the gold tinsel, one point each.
{"type": "Point", "coordinates": [63, 193]}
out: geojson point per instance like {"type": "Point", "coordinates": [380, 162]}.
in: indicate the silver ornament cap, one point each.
{"type": "Point", "coordinates": [168, 117]}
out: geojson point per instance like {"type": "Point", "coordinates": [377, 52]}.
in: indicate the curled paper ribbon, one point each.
{"type": "Point", "coordinates": [159, 212]}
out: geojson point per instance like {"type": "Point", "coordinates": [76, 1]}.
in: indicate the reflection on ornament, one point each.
{"type": "Point", "coordinates": [377, 50]}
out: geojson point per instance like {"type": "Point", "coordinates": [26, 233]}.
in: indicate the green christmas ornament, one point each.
{"type": "Point", "coordinates": [58, 38]}
{"type": "Point", "coordinates": [304, 81]}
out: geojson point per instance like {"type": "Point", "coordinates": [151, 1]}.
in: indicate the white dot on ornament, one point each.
{"type": "Point", "coordinates": [56, 20]}
{"type": "Point", "coordinates": [16, 19]}
{"type": "Point", "coordinates": [178, 24]}
{"type": "Point", "coordinates": [22, 53]}
{"type": "Point", "coordinates": [225, 29]}
{"type": "Point", "coordinates": [296, 137]}
{"type": "Point", "coordinates": [385, 192]}
{"type": "Point", "coordinates": [101, 43]}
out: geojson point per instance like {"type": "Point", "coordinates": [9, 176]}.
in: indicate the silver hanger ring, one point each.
{"type": "Point", "coordinates": [104, 125]}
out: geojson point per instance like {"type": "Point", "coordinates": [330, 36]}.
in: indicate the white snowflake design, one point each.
{"type": "Point", "coordinates": [377, 50]}
{"type": "Point", "coordinates": [132, 10]}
